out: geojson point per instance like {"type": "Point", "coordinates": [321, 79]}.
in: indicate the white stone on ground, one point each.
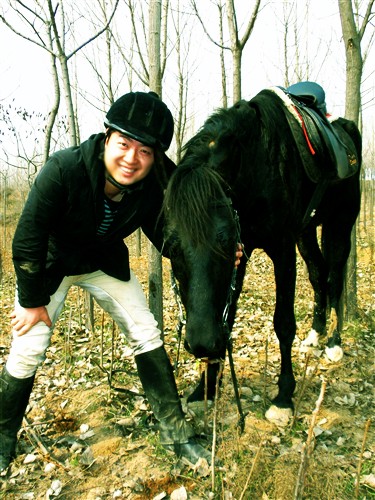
{"type": "Point", "coordinates": [335, 353]}
{"type": "Point", "coordinates": [279, 416]}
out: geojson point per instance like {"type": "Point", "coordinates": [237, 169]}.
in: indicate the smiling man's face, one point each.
{"type": "Point", "coordinates": [127, 160]}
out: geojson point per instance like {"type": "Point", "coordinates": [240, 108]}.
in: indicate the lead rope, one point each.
{"type": "Point", "coordinates": [232, 288]}
{"type": "Point", "coordinates": [181, 318]}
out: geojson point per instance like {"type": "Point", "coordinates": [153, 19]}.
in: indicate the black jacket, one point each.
{"type": "Point", "coordinates": [56, 233]}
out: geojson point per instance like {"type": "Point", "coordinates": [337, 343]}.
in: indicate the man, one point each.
{"type": "Point", "coordinates": [84, 202]}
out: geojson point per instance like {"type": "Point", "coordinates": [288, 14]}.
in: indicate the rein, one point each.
{"type": "Point", "coordinates": [181, 317]}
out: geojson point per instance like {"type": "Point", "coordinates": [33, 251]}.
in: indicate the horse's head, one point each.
{"type": "Point", "coordinates": [202, 234]}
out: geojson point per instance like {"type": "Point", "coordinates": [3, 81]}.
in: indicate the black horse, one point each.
{"type": "Point", "coordinates": [242, 178]}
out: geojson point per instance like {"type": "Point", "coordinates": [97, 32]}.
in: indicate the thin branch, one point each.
{"type": "Point", "coordinates": [97, 34]}
{"type": "Point", "coordinates": [307, 447]}
{"type": "Point", "coordinates": [358, 474]}
{"type": "Point", "coordinates": [35, 14]}
{"type": "Point", "coordinates": [36, 439]}
{"type": "Point", "coordinates": [2, 18]}
{"type": "Point", "coordinates": [135, 35]}
{"type": "Point", "coordinates": [204, 27]}
{"type": "Point", "coordinates": [214, 432]}
{"type": "Point", "coordinates": [366, 19]}
{"type": "Point", "coordinates": [250, 26]}
{"type": "Point", "coordinates": [251, 470]}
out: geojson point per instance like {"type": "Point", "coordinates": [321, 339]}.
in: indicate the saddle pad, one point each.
{"type": "Point", "coordinates": [323, 154]}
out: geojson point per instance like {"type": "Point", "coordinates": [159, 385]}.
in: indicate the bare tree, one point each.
{"type": "Point", "coordinates": [300, 63]}
{"type": "Point", "coordinates": [236, 43]}
{"type": "Point", "coordinates": [222, 58]}
{"type": "Point", "coordinates": [182, 34]}
{"type": "Point", "coordinates": [100, 57]}
{"type": "Point", "coordinates": [353, 34]}
{"type": "Point", "coordinates": [155, 277]}
{"type": "Point", "coordinates": [154, 46]}
{"type": "Point", "coordinates": [53, 41]}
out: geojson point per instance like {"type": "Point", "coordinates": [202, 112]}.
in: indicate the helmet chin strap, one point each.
{"type": "Point", "coordinates": [113, 181]}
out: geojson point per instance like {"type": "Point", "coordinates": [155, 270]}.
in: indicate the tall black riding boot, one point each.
{"type": "Point", "coordinates": [156, 374]}
{"type": "Point", "coordinates": [14, 397]}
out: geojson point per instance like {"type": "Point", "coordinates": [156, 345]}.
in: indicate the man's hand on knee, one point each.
{"type": "Point", "coordinates": [24, 318]}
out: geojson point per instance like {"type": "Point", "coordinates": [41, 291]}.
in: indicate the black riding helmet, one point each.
{"type": "Point", "coordinates": [143, 117]}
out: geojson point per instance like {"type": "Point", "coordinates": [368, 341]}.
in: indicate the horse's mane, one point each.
{"type": "Point", "coordinates": [189, 199]}
{"type": "Point", "coordinates": [197, 183]}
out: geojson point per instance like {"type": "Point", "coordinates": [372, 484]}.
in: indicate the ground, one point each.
{"type": "Point", "coordinates": [83, 439]}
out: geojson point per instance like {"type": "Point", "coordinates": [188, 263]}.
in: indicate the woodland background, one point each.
{"type": "Point", "coordinates": [62, 64]}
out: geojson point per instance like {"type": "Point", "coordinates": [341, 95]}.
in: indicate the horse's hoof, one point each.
{"type": "Point", "coordinates": [279, 416]}
{"type": "Point", "coordinates": [334, 353]}
{"type": "Point", "coordinates": [312, 340]}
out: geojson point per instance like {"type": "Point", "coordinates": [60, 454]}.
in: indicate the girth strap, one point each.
{"type": "Point", "coordinates": [319, 191]}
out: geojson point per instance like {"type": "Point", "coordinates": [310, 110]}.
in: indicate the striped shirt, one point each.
{"type": "Point", "coordinates": [110, 210]}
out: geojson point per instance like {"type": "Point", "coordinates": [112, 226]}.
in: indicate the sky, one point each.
{"type": "Point", "coordinates": [25, 75]}
{"type": "Point", "coordinates": [24, 68]}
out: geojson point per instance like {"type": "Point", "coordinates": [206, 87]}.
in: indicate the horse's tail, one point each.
{"type": "Point", "coordinates": [189, 199]}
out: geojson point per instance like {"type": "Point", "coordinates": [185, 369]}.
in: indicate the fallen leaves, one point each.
{"type": "Point", "coordinates": [106, 439]}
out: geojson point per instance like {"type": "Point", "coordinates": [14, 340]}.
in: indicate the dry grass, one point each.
{"type": "Point", "coordinates": [262, 463]}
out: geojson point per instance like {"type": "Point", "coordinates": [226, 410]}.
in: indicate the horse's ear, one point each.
{"type": "Point", "coordinates": [244, 107]}
{"type": "Point", "coordinates": [241, 104]}
{"type": "Point", "coordinates": [245, 114]}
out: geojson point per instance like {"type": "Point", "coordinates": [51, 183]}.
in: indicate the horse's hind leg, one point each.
{"type": "Point", "coordinates": [336, 249]}
{"type": "Point", "coordinates": [310, 251]}
{"type": "Point", "coordinates": [284, 260]}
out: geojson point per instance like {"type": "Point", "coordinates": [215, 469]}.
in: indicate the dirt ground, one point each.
{"type": "Point", "coordinates": [82, 439]}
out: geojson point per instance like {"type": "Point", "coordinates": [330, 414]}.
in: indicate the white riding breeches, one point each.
{"type": "Point", "coordinates": [124, 301]}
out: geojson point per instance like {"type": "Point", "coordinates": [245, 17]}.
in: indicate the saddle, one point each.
{"type": "Point", "coordinates": [315, 136]}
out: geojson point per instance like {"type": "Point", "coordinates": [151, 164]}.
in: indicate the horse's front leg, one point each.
{"type": "Point", "coordinates": [284, 261]}
{"type": "Point", "coordinates": [206, 387]}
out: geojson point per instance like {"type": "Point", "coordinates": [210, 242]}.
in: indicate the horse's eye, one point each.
{"type": "Point", "coordinates": [174, 246]}
{"type": "Point", "coordinates": [222, 237]}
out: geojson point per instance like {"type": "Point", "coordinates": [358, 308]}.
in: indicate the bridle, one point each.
{"type": "Point", "coordinates": [227, 331]}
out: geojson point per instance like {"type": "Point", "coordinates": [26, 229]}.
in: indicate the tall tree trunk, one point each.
{"type": "Point", "coordinates": [353, 61]}
{"type": "Point", "coordinates": [352, 107]}
{"type": "Point", "coordinates": [222, 59]}
{"type": "Point", "coordinates": [238, 44]}
{"type": "Point", "coordinates": [54, 110]}
{"type": "Point", "coordinates": [155, 279]}
{"type": "Point", "coordinates": [63, 59]}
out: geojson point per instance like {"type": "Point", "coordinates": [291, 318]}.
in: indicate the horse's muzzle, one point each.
{"type": "Point", "coordinates": [202, 348]}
